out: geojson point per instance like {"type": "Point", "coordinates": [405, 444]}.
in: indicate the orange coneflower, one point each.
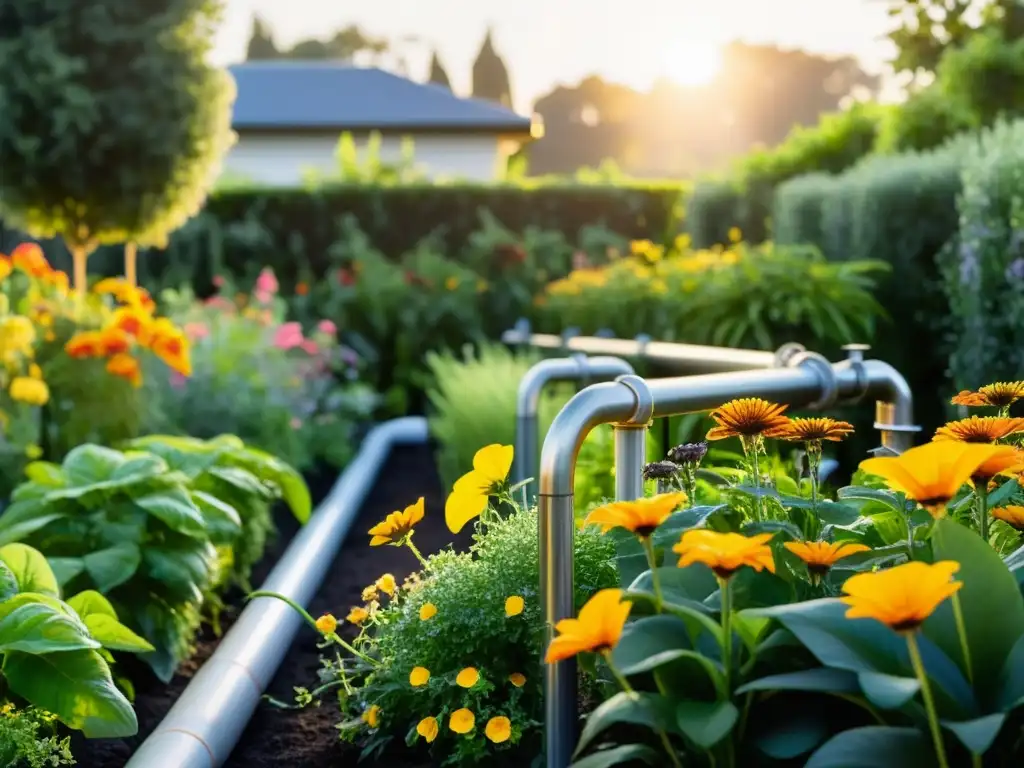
{"type": "Point", "coordinates": [640, 517]}
{"type": "Point", "coordinates": [820, 556]}
{"type": "Point", "coordinates": [814, 430]}
{"type": "Point", "coordinates": [1001, 394]}
{"type": "Point", "coordinates": [747, 417]}
{"type": "Point", "coordinates": [597, 628]}
{"type": "Point", "coordinates": [1012, 515]}
{"type": "Point", "coordinates": [979, 429]}
{"type": "Point", "coordinates": [901, 597]}
{"type": "Point", "coordinates": [725, 553]}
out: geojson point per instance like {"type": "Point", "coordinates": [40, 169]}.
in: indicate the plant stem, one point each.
{"type": "Point", "coordinates": [652, 563]}
{"type": "Point", "coordinates": [131, 253]}
{"type": "Point", "coordinates": [415, 551]}
{"type": "Point", "coordinates": [351, 649]}
{"type": "Point", "coordinates": [981, 493]}
{"type": "Point", "coordinates": [961, 630]}
{"type": "Point", "coordinates": [79, 258]}
{"type": "Point", "coordinates": [726, 591]}
{"type": "Point", "coordinates": [751, 447]}
{"type": "Point", "coordinates": [624, 684]}
{"type": "Point", "coordinates": [813, 466]}
{"type": "Point", "coordinates": [929, 701]}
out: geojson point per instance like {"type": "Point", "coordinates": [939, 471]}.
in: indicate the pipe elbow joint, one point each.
{"type": "Point", "coordinates": [826, 374]}
{"type": "Point", "coordinates": [643, 411]}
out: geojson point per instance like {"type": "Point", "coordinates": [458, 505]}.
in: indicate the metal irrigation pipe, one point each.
{"type": "Point", "coordinates": [629, 403]}
{"type": "Point", "coordinates": [208, 719]}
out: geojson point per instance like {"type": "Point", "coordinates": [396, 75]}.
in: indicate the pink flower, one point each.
{"type": "Point", "coordinates": [266, 283]}
{"type": "Point", "coordinates": [177, 380]}
{"type": "Point", "coordinates": [327, 327]}
{"type": "Point", "coordinates": [288, 336]}
{"type": "Point", "coordinates": [219, 302]}
{"type": "Point", "coordinates": [310, 347]}
{"type": "Point", "coordinates": [196, 330]}
{"type": "Point", "coordinates": [262, 297]}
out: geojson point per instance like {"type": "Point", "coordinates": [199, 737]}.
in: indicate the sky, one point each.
{"type": "Point", "coordinates": [551, 42]}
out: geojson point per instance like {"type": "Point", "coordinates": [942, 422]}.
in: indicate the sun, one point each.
{"type": "Point", "coordinates": [690, 62]}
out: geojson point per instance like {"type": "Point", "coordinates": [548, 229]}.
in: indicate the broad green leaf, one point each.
{"type": "Point", "coordinates": [39, 627]}
{"type": "Point", "coordinates": [112, 634]}
{"type": "Point", "coordinates": [773, 527]}
{"type": "Point", "coordinates": [30, 569]}
{"type": "Point", "coordinates": [888, 691]}
{"type": "Point", "coordinates": [648, 709]}
{"type": "Point", "coordinates": [45, 473]}
{"type": "Point", "coordinates": [705, 723]}
{"type": "Point", "coordinates": [668, 532]}
{"type": "Point", "coordinates": [859, 493]}
{"type": "Point", "coordinates": [8, 582]}
{"type": "Point", "coordinates": [25, 517]}
{"type": "Point", "coordinates": [820, 679]}
{"type": "Point", "coordinates": [175, 508]}
{"type": "Point", "coordinates": [89, 464]}
{"type": "Point", "coordinates": [993, 609]}
{"type": "Point", "coordinates": [241, 479]}
{"type": "Point", "coordinates": [109, 568]}
{"type": "Point", "coordinates": [1003, 493]}
{"type": "Point", "coordinates": [138, 465]}
{"type": "Point", "coordinates": [695, 619]}
{"type": "Point", "coordinates": [789, 735]}
{"type": "Point", "coordinates": [875, 746]}
{"type": "Point", "coordinates": [978, 734]}
{"type": "Point", "coordinates": [681, 586]}
{"type": "Point", "coordinates": [65, 568]}
{"type": "Point", "coordinates": [183, 571]}
{"type": "Point", "coordinates": [836, 514]}
{"type": "Point", "coordinates": [76, 687]}
{"type": "Point", "coordinates": [1011, 691]}
{"type": "Point", "coordinates": [627, 753]}
{"type": "Point", "coordinates": [294, 490]}
{"type": "Point", "coordinates": [91, 603]}
{"type": "Point", "coordinates": [222, 521]}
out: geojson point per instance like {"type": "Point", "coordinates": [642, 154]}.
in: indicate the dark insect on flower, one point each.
{"type": "Point", "coordinates": [660, 469]}
{"type": "Point", "coordinates": [688, 453]}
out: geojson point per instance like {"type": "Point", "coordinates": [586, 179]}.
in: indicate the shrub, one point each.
{"type": "Point", "coordinates": [926, 120]}
{"type": "Point", "coordinates": [27, 740]}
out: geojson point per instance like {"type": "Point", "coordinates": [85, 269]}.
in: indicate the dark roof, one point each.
{"type": "Point", "coordinates": [320, 95]}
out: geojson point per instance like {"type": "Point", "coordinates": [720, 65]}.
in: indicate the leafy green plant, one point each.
{"type": "Point", "coordinates": [27, 740]}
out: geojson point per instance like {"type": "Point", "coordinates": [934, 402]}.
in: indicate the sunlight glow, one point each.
{"type": "Point", "coordinates": [691, 62]}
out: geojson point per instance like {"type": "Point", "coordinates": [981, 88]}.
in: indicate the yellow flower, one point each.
{"type": "Point", "coordinates": [327, 624]}
{"type": "Point", "coordinates": [931, 474]}
{"type": "Point", "coordinates": [386, 584]}
{"type": "Point", "coordinates": [518, 679]}
{"type": "Point", "coordinates": [35, 371]}
{"type": "Point", "coordinates": [357, 616]}
{"type": "Point", "coordinates": [369, 593]}
{"type": "Point", "coordinates": [747, 417]}
{"type": "Point", "coordinates": [5, 267]}
{"type": "Point", "coordinates": [813, 430]}
{"type": "Point", "coordinates": [725, 553]}
{"type": "Point", "coordinates": [597, 628]}
{"type": "Point", "coordinates": [1002, 394]}
{"type": "Point", "coordinates": [372, 716]}
{"type": "Point", "coordinates": [820, 556]}
{"type": "Point", "coordinates": [468, 498]}
{"type": "Point", "coordinates": [735, 235]}
{"type": "Point", "coordinates": [397, 526]}
{"type": "Point", "coordinates": [641, 516]}
{"type": "Point", "coordinates": [451, 283]}
{"type": "Point", "coordinates": [428, 728]}
{"type": "Point", "coordinates": [1012, 515]}
{"type": "Point", "coordinates": [25, 389]}
{"type": "Point", "coordinates": [498, 729]}
{"type": "Point", "coordinates": [462, 721]}
{"type": "Point", "coordinates": [468, 677]}
{"type": "Point", "coordinates": [514, 605]}
{"type": "Point", "coordinates": [419, 676]}
{"type": "Point", "coordinates": [427, 611]}
{"type": "Point", "coordinates": [901, 597]}
{"type": "Point", "coordinates": [979, 429]}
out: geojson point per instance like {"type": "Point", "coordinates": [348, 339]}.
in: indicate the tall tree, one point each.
{"type": "Point", "coordinates": [261, 42]}
{"type": "Point", "coordinates": [344, 45]}
{"type": "Point", "coordinates": [438, 74]}
{"type": "Point", "coordinates": [490, 75]}
{"type": "Point", "coordinates": [96, 153]}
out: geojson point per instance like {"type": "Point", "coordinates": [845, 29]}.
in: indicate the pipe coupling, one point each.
{"type": "Point", "coordinates": [643, 411]}
{"type": "Point", "coordinates": [785, 354]}
{"type": "Point", "coordinates": [826, 376]}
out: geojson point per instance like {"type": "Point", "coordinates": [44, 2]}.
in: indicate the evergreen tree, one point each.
{"type": "Point", "coordinates": [113, 122]}
{"type": "Point", "coordinates": [437, 72]}
{"type": "Point", "coordinates": [490, 75]}
{"type": "Point", "coordinates": [261, 42]}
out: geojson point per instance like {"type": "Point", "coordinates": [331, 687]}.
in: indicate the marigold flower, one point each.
{"type": "Point", "coordinates": [514, 605]}
{"type": "Point", "coordinates": [747, 417]}
{"type": "Point", "coordinates": [25, 389]}
{"type": "Point", "coordinates": [469, 495]}
{"type": "Point", "coordinates": [83, 344]}
{"type": "Point", "coordinates": [979, 429]}
{"type": "Point", "coordinates": [1003, 463]}
{"type": "Point", "coordinates": [126, 367]}
{"type": "Point", "coordinates": [172, 348]}
{"type": "Point", "coordinates": [113, 341]}
{"type": "Point", "coordinates": [327, 624]}
{"type": "Point", "coordinates": [597, 628]}
{"type": "Point", "coordinates": [1012, 515]}
{"type": "Point", "coordinates": [468, 677]}
{"type": "Point", "coordinates": [498, 729]}
{"type": "Point", "coordinates": [369, 593]}
{"type": "Point", "coordinates": [427, 611]}
{"type": "Point", "coordinates": [386, 584]}
{"type": "Point", "coordinates": [131, 320]}
{"type": "Point", "coordinates": [419, 676]}
{"type": "Point", "coordinates": [397, 526]}
{"type": "Point", "coordinates": [1001, 394]}
{"type": "Point", "coordinates": [820, 556]}
{"type": "Point", "coordinates": [813, 430]}
{"type": "Point", "coordinates": [357, 615]}
{"type": "Point", "coordinates": [462, 721]}
{"type": "Point", "coordinates": [29, 258]}
{"type": "Point", "coordinates": [901, 597]}
{"type": "Point", "coordinates": [372, 716]}
{"type": "Point", "coordinates": [725, 553]}
{"type": "Point", "coordinates": [518, 679]}
{"type": "Point", "coordinates": [428, 728]}
{"type": "Point", "coordinates": [641, 516]}
{"type": "Point", "coordinates": [931, 474]}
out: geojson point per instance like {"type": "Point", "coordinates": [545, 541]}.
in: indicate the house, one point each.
{"type": "Point", "coordinates": [290, 115]}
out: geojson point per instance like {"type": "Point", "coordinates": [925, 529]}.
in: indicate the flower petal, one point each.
{"type": "Point", "coordinates": [461, 507]}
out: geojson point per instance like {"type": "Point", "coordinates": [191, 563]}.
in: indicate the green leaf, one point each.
{"type": "Point", "coordinates": [858, 493]}
{"type": "Point", "coordinates": [45, 473]}
{"type": "Point", "coordinates": [138, 465]}
{"type": "Point", "coordinates": [695, 619]}
{"type": "Point", "coordinates": [91, 603]}
{"type": "Point", "coordinates": [1011, 692]}
{"type": "Point", "coordinates": [1003, 493]}
{"type": "Point", "coordinates": [836, 514]}
{"type": "Point", "coordinates": [993, 609]}
{"type": "Point", "coordinates": [648, 709]}
{"type": "Point", "coordinates": [181, 570]}
{"type": "Point", "coordinates": [88, 464]}
{"type": "Point", "coordinates": [888, 691]}
{"type": "Point", "coordinates": [8, 582]}
{"type": "Point", "coordinates": [681, 586]}
{"type": "Point", "coordinates": [223, 523]}
{"type": "Point", "coordinates": [25, 517]}
{"type": "Point", "coordinates": [38, 627]}
{"type": "Point", "coordinates": [175, 508]}
{"type": "Point", "coordinates": [668, 533]}
{"type": "Point", "coordinates": [706, 723]}
{"type": "Point", "coordinates": [65, 568]}
{"type": "Point", "coordinates": [875, 746]}
{"type": "Point", "coordinates": [787, 737]}
{"type": "Point", "coordinates": [30, 569]}
{"type": "Point", "coordinates": [978, 734]}
{"type": "Point", "coordinates": [76, 687]}
{"type": "Point", "coordinates": [113, 635]}
{"type": "Point", "coordinates": [820, 679]}
{"type": "Point", "coordinates": [109, 568]}
{"type": "Point", "coordinates": [294, 490]}
{"type": "Point", "coordinates": [618, 755]}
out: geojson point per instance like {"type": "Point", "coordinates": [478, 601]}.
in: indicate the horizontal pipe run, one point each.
{"type": "Point", "coordinates": [208, 719]}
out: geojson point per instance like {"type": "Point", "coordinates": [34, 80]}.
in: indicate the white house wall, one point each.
{"type": "Point", "coordinates": [284, 159]}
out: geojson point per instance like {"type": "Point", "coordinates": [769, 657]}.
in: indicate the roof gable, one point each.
{"type": "Point", "coordinates": [309, 95]}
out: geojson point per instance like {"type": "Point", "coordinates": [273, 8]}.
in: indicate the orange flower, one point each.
{"type": "Point", "coordinates": [29, 258]}
{"type": "Point", "coordinates": [397, 526]}
{"type": "Point", "coordinates": [979, 429]}
{"type": "Point", "coordinates": [901, 597]}
{"type": "Point", "coordinates": [1001, 394]}
{"type": "Point", "coordinates": [597, 628]}
{"type": "Point", "coordinates": [813, 430]}
{"type": "Point", "coordinates": [302, 289]}
{"type": "Point", "coordinates": [641, 516]}
{"type": "Point", "coordinates": [132, 320]}
{"type": "Point", "coordinates": [820, 556]}
{"type": "Point", "coordinates": [113, 341]}
{"type": "Point", "coordinates": [725, 553]}
{"type": "Point", "coordinates": [126, 367]}
{"type": "Point", "coordinates": [169, 344]}
{"type": "Point", "coordinates": [5, 267]}
{"type": "Point", "coordinates": [84, 344]}
{"type": "Point", "coordinates": [1012, 515]}
{"type": "Point", "coordinates": [747, 417]}
{"type": "Point", "coordinates": [1009, 462]}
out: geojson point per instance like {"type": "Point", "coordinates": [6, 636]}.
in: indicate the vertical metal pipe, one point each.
{"type": "Point", "coordinates": [631, 441]}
